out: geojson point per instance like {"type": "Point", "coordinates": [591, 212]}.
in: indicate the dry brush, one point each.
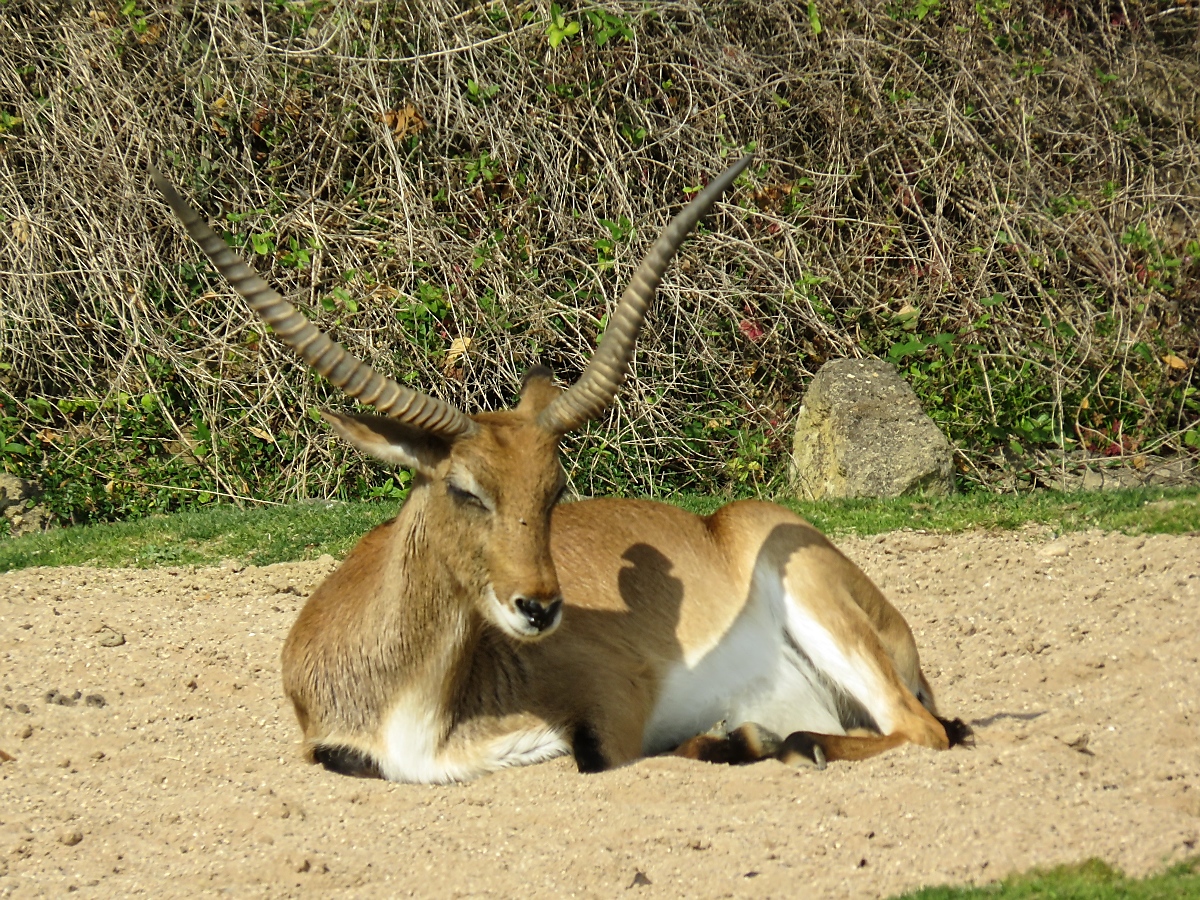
{"type": "Point", "coordinates": [1003, 198]}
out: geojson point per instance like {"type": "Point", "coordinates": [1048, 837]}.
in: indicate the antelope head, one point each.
{"type": "Point", "coordinates": [486, 483]}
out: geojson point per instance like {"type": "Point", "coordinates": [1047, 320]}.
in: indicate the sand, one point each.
{"type": "Point", "coordinates": [153, 752]}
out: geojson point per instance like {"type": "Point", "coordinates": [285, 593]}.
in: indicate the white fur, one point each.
{"type": "Point", "coordinates": [752, 674]}
{"type": "Point", "coordinates": [524, 748]}
{"type": "Point", "coordinates": [414, 751]}
{"type": "Point", "coordinates": [707, 684]}
{"type": "Point", "coordinates": [857, 675]}
{"type": "Point", "coordinates": [463, 477]}
{"type": "Point", "coordinates": [412, 746]}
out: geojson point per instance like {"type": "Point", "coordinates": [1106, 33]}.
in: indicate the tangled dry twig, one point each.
{"type": "Point", "coordinates": [454, 198]}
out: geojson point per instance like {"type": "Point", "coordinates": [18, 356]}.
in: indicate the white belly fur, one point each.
{"type": "Point", "coordinates": [751, 674]}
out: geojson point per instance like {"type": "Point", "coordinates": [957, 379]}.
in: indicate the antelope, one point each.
{"type": "Point", "coordinates": [490, 625]}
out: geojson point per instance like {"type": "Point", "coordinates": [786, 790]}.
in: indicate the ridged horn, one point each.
{"type": "Point", "coordinates": [323, 354]}
{"type": "Point", "coordinates": [604, 375]}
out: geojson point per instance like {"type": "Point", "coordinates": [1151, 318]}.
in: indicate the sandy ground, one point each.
{"type": "Point", "coordinates": [167, 765]}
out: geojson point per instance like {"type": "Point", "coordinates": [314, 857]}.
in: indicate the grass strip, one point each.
{"type": "Point", "coordinates": [1091, 880]}
{"type": "Point", "coordinates": [264, 535]}
{"type": "Point", "coordinates": [1141, 511]}
{"type": "Point", "coordinates": [257, 535]}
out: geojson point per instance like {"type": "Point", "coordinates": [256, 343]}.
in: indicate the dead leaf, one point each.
{"type": "Point", "coordinates": [908, 316]}
{"type": "Point", "coordinates": [261, 435]}
{"type": "Point", "coordinates": [387, 292]}
{"type": "Point", "coordinates": [20, 229]}
{"type": "Point", "coordinates": [404, 121]}
{"type": "Point", "coordinates": [751, 330]}
{"type": "Point", "coordinates": [458, 349]}
{"type": "Point", "coordinates": [1175, 362]}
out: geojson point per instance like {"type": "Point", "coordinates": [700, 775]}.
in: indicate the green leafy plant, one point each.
{"type": "Point", "coordinates": [481, 94]}
{"type": "Point", "coordinates": [814, 18]}
{"type": "Point", "coordinates": [558, 29]}
{"type": "Point", "coordinates": [394, 488]}
{"type": "Point", "coordinates": [483, 168]}
{"type": "Point", "coordinates": [606, 26]}
{"type": "Point", "coordinates": [619, 232]}
{"type": "Point", "coordinates": [9, 446]}
{"type": "Point", "coordinates": [136, 17]}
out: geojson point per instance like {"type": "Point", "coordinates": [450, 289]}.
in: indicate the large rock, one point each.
{"type": "Point", "coordinates": [17, 504]}
{"type": "Point", "coordinates": [862, 433]}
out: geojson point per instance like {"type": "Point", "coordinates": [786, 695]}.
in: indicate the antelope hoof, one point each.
{"type": "Point", "coordinates": [958, 732]}
{"type": "Point", "coordinates": [347, 761]}
{"type": "Point", "coordinates": [755, 742]}
{"type": "Point", "coordinates": [801, 749]}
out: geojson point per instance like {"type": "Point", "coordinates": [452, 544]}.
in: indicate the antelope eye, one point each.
{"type": "Point", "coordinates": [462, 495]}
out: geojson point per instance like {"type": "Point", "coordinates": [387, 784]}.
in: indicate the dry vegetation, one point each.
{"type": "Point", "coordinates": [1001, 197]}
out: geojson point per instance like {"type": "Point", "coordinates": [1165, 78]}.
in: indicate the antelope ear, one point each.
{"type": "Point", "coordinates": [390, 440]}
{"type": "Point", "coordinates": [537, 390]}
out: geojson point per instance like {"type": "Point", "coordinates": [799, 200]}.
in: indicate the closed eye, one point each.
{"type": "Point", "coordinates": [462, 495]}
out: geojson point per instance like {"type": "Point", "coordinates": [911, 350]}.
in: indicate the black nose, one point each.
{"type": "Point", "coordinates": [539, 615]}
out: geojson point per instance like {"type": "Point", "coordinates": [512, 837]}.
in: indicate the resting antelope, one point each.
{"type": "Point", "coordinates": [488, 625]}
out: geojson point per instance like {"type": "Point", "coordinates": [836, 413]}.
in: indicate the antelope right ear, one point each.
{"type": "Point", "coordinates": [390, 440]}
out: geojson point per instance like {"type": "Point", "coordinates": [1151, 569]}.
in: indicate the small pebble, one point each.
{"type": "Point", "coordinates": [23, 708]}
{"type": "Point", "coordinates": [64, 763]}
{"type": "Point", "coordinates": [1055, 548]}
{"type": "Point", "coordinates": [925, 542]}
{"type": "Point", "coordinates": [98, 754]}
{"type": "Point", "coordinates": [109, 637]}
{"type": "Point", "coordinates": [96, 700]}
{"type": "Point", "coordinates": [26, 731]}
{"type": "Point", "coordinates": [70, 836]}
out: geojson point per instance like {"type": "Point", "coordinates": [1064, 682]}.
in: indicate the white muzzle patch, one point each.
{"type": "Point", "coordinates": [513, 622]}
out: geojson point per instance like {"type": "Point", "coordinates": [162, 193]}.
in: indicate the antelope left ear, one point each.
{"type": "Point", "coordinates": [390, 440]}
{"type": "Point", "coordinates": [537, 390]}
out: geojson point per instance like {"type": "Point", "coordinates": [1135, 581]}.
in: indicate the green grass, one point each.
{"type": "Point", "coordinates": [259, 535]}
{"type": "Point", "coordinates": [1092, 880]}
{"type": "Point", "coordinates": [1171, 511]}
{"type": "Point", "coordinates": [263, 535]}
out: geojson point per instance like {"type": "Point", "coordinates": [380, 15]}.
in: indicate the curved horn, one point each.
{"type": "Point", "coordinates": [600, 381]}
{"type": "Point", "coordinates": [323, 354]}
